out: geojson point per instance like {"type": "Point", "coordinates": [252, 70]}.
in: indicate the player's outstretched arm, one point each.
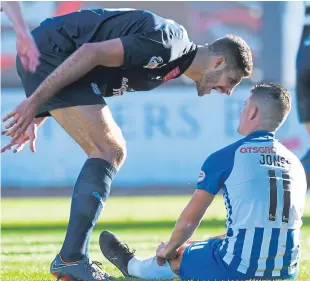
{"type": "Point", "coordinates": [187, 223]}
{"type": "Point", "coordinates": [25, 45]}
{"type": "Point", "coordinates": [109, 53]}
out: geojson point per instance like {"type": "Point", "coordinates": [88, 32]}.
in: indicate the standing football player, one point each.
{"type": "Point", "coordinates": [303, 82]}
{"type": "Point", "coordinates": [87, 56]}
{"type": "Point", "coordinates": [264, 188]}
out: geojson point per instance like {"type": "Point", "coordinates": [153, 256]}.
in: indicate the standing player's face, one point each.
{"type": "Point", "coordinates": [221, 80]}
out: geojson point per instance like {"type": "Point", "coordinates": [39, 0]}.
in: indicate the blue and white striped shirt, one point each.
{"type": "Point", "coordinates": [264, 189]}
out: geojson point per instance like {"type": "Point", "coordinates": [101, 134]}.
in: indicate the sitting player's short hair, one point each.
{"type": "Point", "coordinates": [274, 102]}
{"type": "Point", "coordinates": [236, 51]}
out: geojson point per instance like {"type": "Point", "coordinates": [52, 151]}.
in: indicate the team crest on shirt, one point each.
{"type": "Point", "coordinates": [202, 176]}
{"type": "Point", "coordinates": [154, 62]}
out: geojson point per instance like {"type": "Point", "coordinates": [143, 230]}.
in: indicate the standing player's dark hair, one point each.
{"type": "Point", "coordinates": [236, 51]}
{"type": "Point", "coordinates": [275, 103]}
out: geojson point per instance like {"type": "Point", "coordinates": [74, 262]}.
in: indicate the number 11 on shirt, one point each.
{"type": "Point", "coordinates": [273, 199]}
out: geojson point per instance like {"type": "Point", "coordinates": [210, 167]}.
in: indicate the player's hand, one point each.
{"type": "Point", "coordinates": [29, 136]}
{"type": "Point", "coordinates": [22, 116]}
{"type": "Point", "coordinates": [27, 51]}
{"type": "Point", "coordinates": [162, 254]}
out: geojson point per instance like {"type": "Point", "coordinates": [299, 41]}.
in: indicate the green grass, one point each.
{"type": "Point", "coordinates": [33, 231]}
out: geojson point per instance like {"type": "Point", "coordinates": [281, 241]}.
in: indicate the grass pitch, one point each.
{"type": "Point", "coordinates": [33, 231]}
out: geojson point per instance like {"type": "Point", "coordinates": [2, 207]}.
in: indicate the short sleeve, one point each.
{"type": "Point", "coordinates": [152, 50]}
{"type": "Point", "coordinates": [217, 168]}
{"type": "Point", "coordinates": [211, 177]}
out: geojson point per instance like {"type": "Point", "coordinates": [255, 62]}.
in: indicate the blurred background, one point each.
{"type": "Point", "coordinates": [170, 131]}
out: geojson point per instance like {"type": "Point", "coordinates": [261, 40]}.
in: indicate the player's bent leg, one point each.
{"type": "Point", "coordinates": [149, 269]}
{"type": "Point", "coordinates": [176, 262]}
{"type": "Point", "coordinates": [201, 261]}
{"type": "Point", "coordinates": [94, 129]}
{"type": "Point", "coordinates": [197, 262]}
{"type": "Point", "coordinates": [124, 259]}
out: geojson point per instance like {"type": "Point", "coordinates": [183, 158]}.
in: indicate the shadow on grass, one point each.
{"type": "Point", "coordinates": [117, 225]}
{"type": "Point", "coordinates": [121, 225]}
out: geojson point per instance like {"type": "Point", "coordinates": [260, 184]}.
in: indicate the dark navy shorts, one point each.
{"type": "Point", "coordinates": [78, 93]}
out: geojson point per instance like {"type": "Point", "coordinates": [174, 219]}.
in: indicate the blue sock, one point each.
{"type": "Point", "coordinates": [89, 195]}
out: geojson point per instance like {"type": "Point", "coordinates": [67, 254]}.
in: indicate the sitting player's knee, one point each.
{"type": "Point", "coordinates": [175, 265]}
{"type": "Point", "coordinates": [176, 262]}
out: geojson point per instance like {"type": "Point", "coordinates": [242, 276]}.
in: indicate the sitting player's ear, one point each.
{"type": "Point", "coordinates": [253, 112]}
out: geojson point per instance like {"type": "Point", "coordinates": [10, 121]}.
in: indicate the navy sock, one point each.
{"type": "Point", "coordinates": [89, 195]}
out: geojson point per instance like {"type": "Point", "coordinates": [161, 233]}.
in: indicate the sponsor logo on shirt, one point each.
{"type": "Point", "coordinates": [154, 62]}
{"type": "Point", "coordinates": [260, 149]}
{"type": "Point", "coordinates": [173, 73]}
{"type": "Point", "coordinates": [123, 88]}
{"type": "Point", "coordinates": [202, 176]}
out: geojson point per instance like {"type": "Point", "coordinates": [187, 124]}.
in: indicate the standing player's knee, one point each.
{"type": "Point", "coordinates": [118, 153]}
{"type": "Point", "coordinates": [112, 149]}
{"type": "Point", "coordinates": [117, 149]}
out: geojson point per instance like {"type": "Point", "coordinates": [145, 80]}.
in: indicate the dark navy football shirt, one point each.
{"type": "Point", "coordinates": [155, 49]}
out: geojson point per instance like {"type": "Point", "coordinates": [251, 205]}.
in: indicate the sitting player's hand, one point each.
{"type": "Point", "coordinates": [162, 254]}
{"type": "Point", "coordinates": [160, 261]}
{"type": "Point", "coordinates": [29, 135]}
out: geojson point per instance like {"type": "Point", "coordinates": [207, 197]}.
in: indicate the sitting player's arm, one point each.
{"type": "Point", "coordinates": [211, 180]}
{"type": "Point", "coordinates": [189, 220]}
